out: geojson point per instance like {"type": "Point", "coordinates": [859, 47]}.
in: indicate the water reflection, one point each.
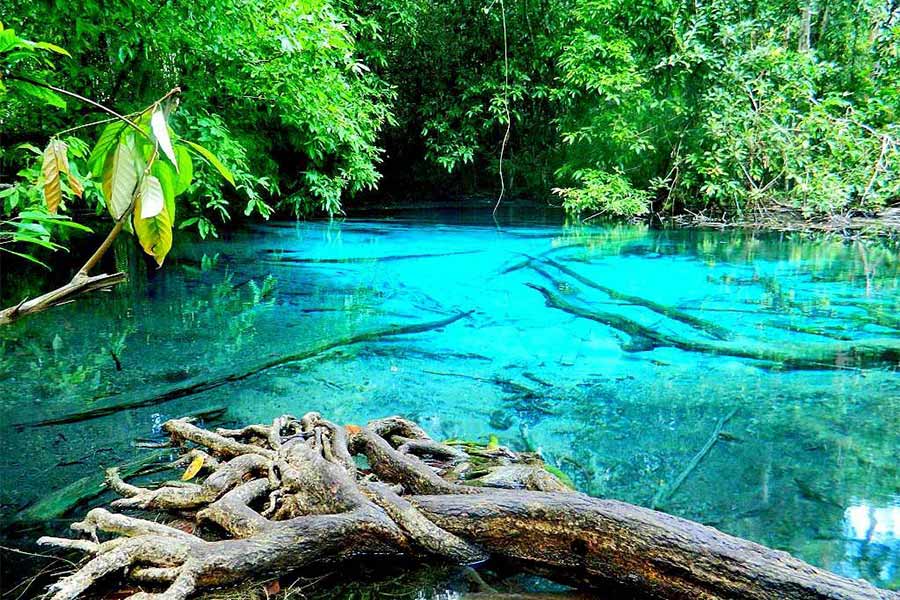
{"type": "Point", "coordinates": [872, 532]}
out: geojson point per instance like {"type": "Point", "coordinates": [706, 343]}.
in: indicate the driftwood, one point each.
{"type": "Point", "coordinates": [80, 284]}
{"type": "Point", "coordinates": [671, 312]}
{"type": "Point", "coordinates": [869, 353]}
{"type": "Point", "coordinates": [292, 495]}
{"type": "Point", "coordinates": [198, 385]}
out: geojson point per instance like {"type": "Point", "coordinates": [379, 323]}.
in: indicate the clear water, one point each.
{"type": "Point", "coordinates": [808, 462]}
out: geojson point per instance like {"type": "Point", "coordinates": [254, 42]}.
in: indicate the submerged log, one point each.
{"type": "Point", "coordinates": [711, 329]}
{"type": "Point", "coordinates": [292, 494]}
{"type": "Point", "coordinates": [205, 384]}
{"type": "Point", "coordinates": [868, 353]}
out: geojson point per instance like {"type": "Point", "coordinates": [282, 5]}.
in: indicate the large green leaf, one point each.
{"type": "Point", "coordinates": [185, 170]}
{"type": "Point", "coordinates": [222, 169]}
{"type": "Point", "coordinates": [109, 137]}
{"type": "Point", "coordinates": [120, 175]}
{"type": "Point", "coordinates": [47, 96]}
{"type": "Point", "coordinates": [155, 233]}
{"type": "Point", "coordinates": [161, 133]}
{"type": "Point", "coordinates": [167, 180]}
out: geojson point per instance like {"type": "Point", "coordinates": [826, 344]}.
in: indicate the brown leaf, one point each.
{"type": "Point", "coordinates": [50, 169]}
{"type": "Point", "coordinates": [351, 429]}
{"type": "Point", "coordinates": [273, 587]}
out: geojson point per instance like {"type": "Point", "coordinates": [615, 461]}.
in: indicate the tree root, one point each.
{"type": "Point", "coordinates": [292, 495]}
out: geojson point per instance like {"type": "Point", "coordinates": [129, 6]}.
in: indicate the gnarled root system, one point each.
{"type": "Point", "coordinates": [298, 492]}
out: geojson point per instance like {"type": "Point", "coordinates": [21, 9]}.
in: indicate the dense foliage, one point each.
{"type": "Point", "coordinates": [623, 108]}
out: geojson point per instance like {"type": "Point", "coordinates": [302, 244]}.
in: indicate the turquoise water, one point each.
{"type": "Point", "coordinates": [807, 461]}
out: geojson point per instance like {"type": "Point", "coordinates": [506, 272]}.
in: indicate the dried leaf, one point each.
{"type": "Point", "coordinates": [51, 168]}
{"type": "Point", "coordinates": [60, 150]}
{"type": "Point", "coordinates": [193, 468]}
{"type": "Point", "coordinates": [273, 588]}
{"type": "Point", "coordinates": [351, 429]}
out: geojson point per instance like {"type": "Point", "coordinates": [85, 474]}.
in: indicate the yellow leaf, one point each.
{"type": "Point", "coordinates": [493, 442]}
{"type": "Point", "coordinates": [155, 233]}
{"type": "Point", "coordinates": [193, 468]}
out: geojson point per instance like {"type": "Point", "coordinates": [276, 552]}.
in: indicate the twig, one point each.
{"type": "Point", "coordinates": [665, 493]}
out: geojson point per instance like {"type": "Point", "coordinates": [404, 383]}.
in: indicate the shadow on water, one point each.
{"type": "Point", "coordinates": [806, 462]}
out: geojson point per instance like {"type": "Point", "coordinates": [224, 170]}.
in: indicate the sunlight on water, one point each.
{"type": "Point", "coordinates": [762, 333]}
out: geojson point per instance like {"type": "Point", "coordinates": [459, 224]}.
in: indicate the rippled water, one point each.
{"type": "Point", "coordinates": [807, 460]}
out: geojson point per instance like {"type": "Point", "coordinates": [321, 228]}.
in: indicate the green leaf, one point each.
{"type": "Point", "coordinates": [222, 169]}
{"type": "Point", "coordinates": [161, 133]}
{"type": "Point", "coordinates": [167, 178]}
{"type": "Point", "coordinates": [47, 96]}
{"type": "Point", "coordinates": [109, 137]}
{"type": "Point", "coordinates": [152, 199]}
{"type": "Point", "coordinates": [120, 175]}
{"type": "Point", "coordinates": [185, 170]}
{"type": "Point", "coordinates": [26, 257]}
{"type": "Point", "coordinates": [52, 48]}
{"type": "Point", "coordinates": [154, 234]}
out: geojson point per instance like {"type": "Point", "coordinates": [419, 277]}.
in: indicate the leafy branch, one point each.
{"type": "Point", "coordinates": [138, 188]}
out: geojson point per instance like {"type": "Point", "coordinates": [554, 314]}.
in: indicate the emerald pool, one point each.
{"type": "Point", "coordinates": [807, 460]}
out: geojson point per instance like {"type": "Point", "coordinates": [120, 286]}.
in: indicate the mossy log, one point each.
{"type": "Point", "coordinates": [711, 329]}
{"type": "Point", "coordinates": [867, 353]}
{"type": "Point", "coordinates": [292, 495]}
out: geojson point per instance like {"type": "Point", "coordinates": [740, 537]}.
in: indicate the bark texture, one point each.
{"type": "Point", "coordinates": [299, 492]}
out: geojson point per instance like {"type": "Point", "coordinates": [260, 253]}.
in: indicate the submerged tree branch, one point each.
{"type": "Point", "coordinates": [863, 354]}
{"type": "Point", "coordinates": [210, 383]}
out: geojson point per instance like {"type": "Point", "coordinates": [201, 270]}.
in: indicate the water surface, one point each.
{"type": "Point", "coordinates": [807, 461]}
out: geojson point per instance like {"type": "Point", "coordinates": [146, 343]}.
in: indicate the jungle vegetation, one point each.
{"type": "Point", "coordinates": [722, 108]}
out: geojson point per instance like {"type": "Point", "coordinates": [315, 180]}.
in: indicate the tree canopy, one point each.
{"type": "Point", "coordinates": [618, 108]}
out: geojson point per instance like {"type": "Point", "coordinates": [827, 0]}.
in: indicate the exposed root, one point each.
{"type": "Point", "coordinates": [290, 495]}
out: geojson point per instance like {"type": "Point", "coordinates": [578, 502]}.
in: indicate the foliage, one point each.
{"type": "Point", "coordinates": [303, 112]}
{"type": "Point", "coordinates": [24, 219]}
{"type": "Point", "coordinates": [719, 107]}
{"type": "Point", "coordinates": [140, 164]}
{"type": "Point", "coordinates": [622, 108]}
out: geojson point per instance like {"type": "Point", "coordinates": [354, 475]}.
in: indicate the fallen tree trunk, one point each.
{"type": "Point", "coordinates": [291, 494]}
{"type": "Point", "coordinates": [869, 353]}
{"type": "Point", "coordinates": [365, 259]}
{"type": "Point", "coordinates": [711, 329]}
